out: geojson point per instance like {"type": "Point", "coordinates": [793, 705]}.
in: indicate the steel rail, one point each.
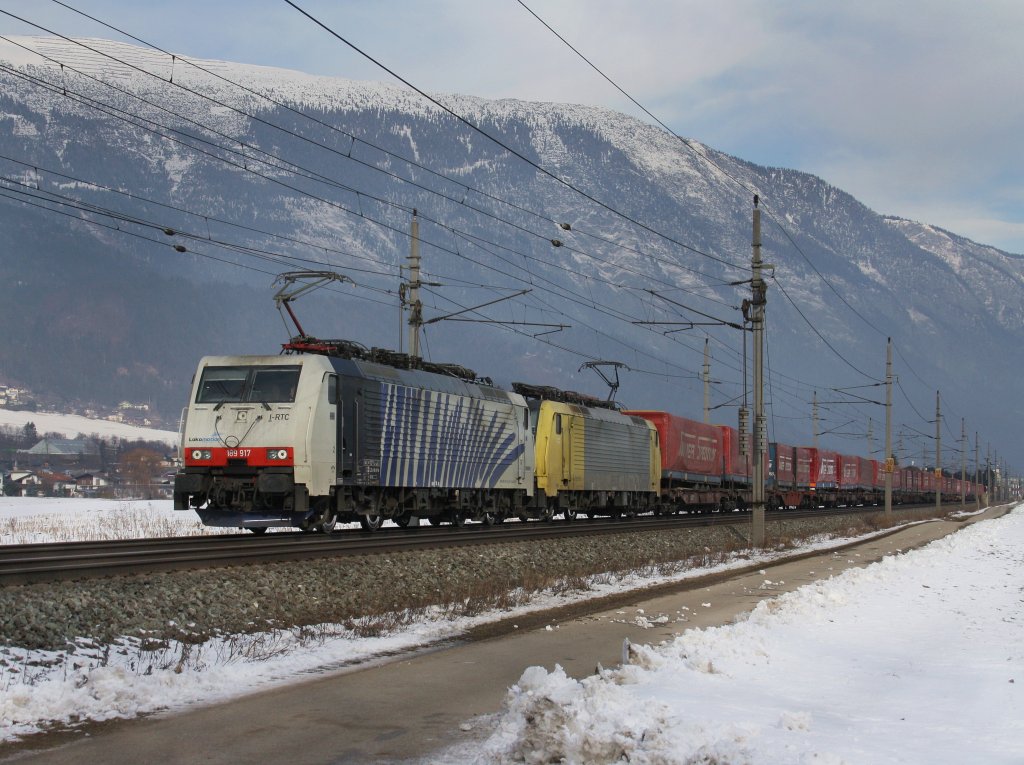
{"type": "Point", "coordinates": [40, 562]}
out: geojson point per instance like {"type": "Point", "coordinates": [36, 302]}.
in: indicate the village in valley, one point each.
{"type": "Point", "coordinates": [37, 461]}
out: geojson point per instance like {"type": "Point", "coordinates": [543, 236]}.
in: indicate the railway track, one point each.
{"type": "Point", "coordinates": [29, 563]}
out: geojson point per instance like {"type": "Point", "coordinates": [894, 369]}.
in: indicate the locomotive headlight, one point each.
{"type": "Point", "coordinates": [201, 454]}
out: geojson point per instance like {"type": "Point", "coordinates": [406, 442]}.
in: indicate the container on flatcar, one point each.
{"type": "Point", "coordinates": [803, 458]}
{"type": "Point", "coordinates": [878, 474]}
{"type": "Point", "coordinates": [912, 482]}
{"type": "Point", "coordinates": [848, 471]}
{"type": "Point", "coordinates": [691, 451]}
{"type": "Point", "coordinates": [737, 468]}
{"type": "Point", "coordinates": [781, 466]}
{"type": "Point", "coordinates": [867, 473]}
{"type": "Point", "coordinates": [926, 481]}
{"type": "Point", "coordinates": [824, 467]}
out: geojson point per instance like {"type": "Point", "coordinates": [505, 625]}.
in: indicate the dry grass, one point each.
{"type": "Point", "coordinates": [131, 520]}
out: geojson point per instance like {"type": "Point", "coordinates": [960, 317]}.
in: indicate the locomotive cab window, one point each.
{"type": "Point", "coordinates": [266, 384]}
{"type": "Point", "coordinates": [222, 384]}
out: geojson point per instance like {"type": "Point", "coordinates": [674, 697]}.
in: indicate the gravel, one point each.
{"type": "Point", "coordinates": [192, 605]}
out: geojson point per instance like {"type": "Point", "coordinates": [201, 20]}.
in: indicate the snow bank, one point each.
{"type": "Point", "coordinates": [917, 658]}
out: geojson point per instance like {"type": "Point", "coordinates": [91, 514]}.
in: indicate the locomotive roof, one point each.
{"type": "Point", "coordinates": [418, 378]}
{"type": "Point", "coordinates": [368, 370]}
{"type": "Point", "coordinates": [594, 413]}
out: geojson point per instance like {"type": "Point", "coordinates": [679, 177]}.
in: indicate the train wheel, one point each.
{"type": "Point", "coordinates": [458, 519]}
{"type": "Point", "coordinates": [489, 518]}
{"type": "Point", "coordinates": [371, 522]}
{"type": "Point", "coordinates": [569, 514]}
{"type": "Point", "coordinates": [403, 520]}
{"type": "Point", "coordinates": [328, 522]}
{"type": "Point", "coordinates": [258, 530]}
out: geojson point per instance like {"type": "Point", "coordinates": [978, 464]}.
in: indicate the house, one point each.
{"type": "Point", "coordinates": [21, 483]}
{"type": "Point", "coordinates": [57, 484]}
{"type": "Point", "coordinates": [89, 484]}
{"type": "Point", "coordinates": [67, 452]}
{"type": "Point", "coordinates": [90, 480]}
{"type": "Point", "coordinates": [61, 447]}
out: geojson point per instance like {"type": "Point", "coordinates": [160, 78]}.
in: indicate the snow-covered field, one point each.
{"type": "Point", "coordinates": [916, 659]}
{"type": "Point", "coordinates": [27, 520]}
{"type": "Point", "coordinates": [70, 425]}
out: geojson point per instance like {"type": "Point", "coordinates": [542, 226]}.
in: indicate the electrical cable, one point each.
{"type": "Point", "coordinates": [356, 139]}
{"type": "Point", "coordinates": [510, 150]}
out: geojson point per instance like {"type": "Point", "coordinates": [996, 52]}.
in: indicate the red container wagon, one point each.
{"type": "Point", "coordinates": [789, 475]}
{"type": "Point", "coordinates": [781, 482]}
{"type": "Point", "coordinates": [737, 468]}
{"type": "Point", "coordinates": [856, 480]}
{"type": "Point", "coordinates": [804, 459]}
{"type": "Point", "coordinates": [848, 471]}
{"type": "Point", "coordinates": [690, 450]}
{"type": "Point", "coordinates": [867, 473]}
{"type": "Point", "coordinates": [693, 456]}
{"type": "Point", "coordinates": [781, 466]}
{"type": "Point", "coordinates": [919, 483]}
{"type": "Point", "coordinates": [878, 475]}
{"type": "Point", "coordinates": [824, 477]}
{"type": "Point", "coordinates": [825, 469]}
{"type": "Point", "coordinates": [927, 485]}
{"type": "Point", "coordinates": [899, 484]}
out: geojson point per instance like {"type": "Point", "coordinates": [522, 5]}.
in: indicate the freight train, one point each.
{"type": "Point", "coordinates": [331, 431]}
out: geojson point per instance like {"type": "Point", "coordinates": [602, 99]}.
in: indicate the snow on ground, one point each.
{"type": "Point", "coordinates": [915, 659]}
{"type": "Point", "coordinates": [70, 425]}
{"type": "Point", "coordinates": [29, 520]}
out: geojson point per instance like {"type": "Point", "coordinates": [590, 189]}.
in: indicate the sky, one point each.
{"type": "Point", "coordinates": [916, 658]}
{"type": "Point", "coordinates": [913, 107]}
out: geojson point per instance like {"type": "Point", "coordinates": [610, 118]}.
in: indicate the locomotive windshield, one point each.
{"type": "Point", "coordinates": [276, 384]}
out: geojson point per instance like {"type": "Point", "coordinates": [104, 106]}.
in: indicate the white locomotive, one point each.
{"type": "Point", "coordinates": [309, 439]}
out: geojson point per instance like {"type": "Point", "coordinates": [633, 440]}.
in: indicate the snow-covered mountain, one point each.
{"type": "Point", "coordinates": [327, 171]}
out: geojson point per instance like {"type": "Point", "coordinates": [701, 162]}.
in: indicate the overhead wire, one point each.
{"type": "Point", "coordinates": [469, 237]}
{"type": "Point", "coordinates": [356, 139]}
{"type": "Point", "coordinates": [244, 166]}
{"type": "Point", "coordinates": [145, 72]}
{"type": "Point", "coordinates": [297, 168]}
{"type": "Point", "coordinates": [703, 156]}
{"type": "Point", "coordinates": [539, 168]}
{"type": "Point", "coordinates": [355, 192]}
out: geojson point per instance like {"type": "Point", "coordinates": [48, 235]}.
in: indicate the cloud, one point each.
{"type": "Point", "coordinates": [913, 107]}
